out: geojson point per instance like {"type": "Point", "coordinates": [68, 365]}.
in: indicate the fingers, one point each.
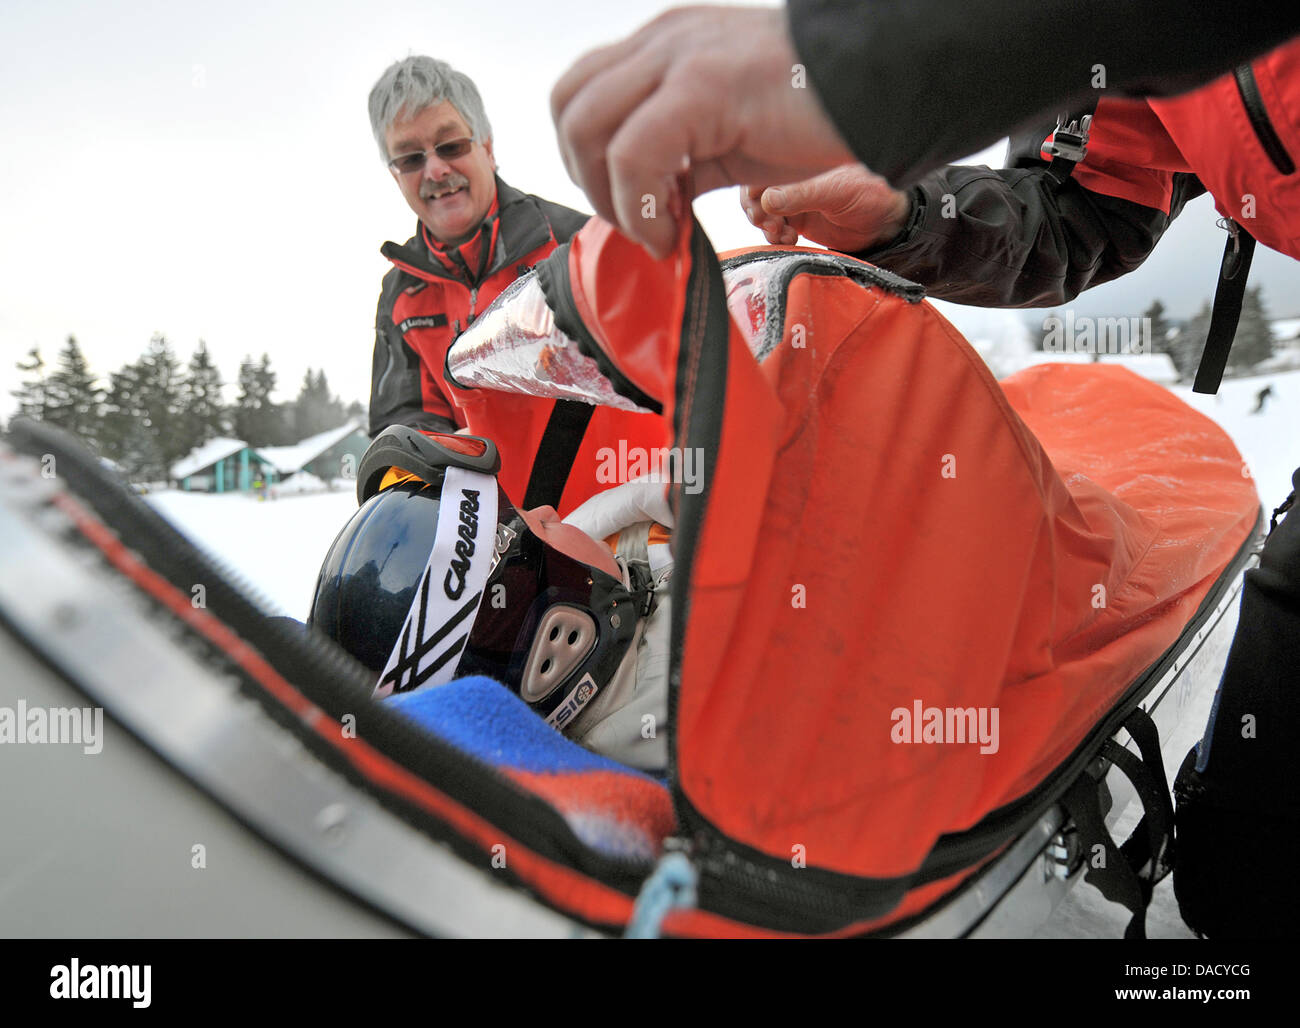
{"type": "Point", "coordinates": [586, 68]}
{"type": "Point", "coordinates": [776, 230]}
{"type": "Point", "coordinates": [799, 197]}
{"type": "Point", "coordinates": [645, 158]}
{"type": "Point", "coordinates": [590, 102]}
{"type": "Point", "coordinates": [704, 89]}
{"type": "Point", "coordinates": [831, 192]}
{"type": "Point", "coordinates": [753, 208]}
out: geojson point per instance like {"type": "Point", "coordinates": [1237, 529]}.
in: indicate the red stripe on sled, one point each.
{"type": "Point", "coordinates": [561, 886]}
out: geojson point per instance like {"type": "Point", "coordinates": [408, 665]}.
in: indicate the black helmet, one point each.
{"type": "Point", "coordinates": [437, 575]}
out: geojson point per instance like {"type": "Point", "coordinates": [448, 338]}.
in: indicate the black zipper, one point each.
{"type": "Point", "coordinates": [734, 880]}
{"type": "Point", "coordinates": [1259, 121]}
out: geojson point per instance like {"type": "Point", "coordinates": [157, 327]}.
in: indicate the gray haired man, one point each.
{"type": "Point", "coordinates": [474, 237]}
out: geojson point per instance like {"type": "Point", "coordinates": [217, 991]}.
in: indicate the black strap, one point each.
{"type": "Point", "coordinates": [1150, 848]}
{"type": "Point", "coordinates": [556, 453]}
{"type": "Point", "coordinates": [1286, 505]}
{"type": "Point", "coordinates": [1060, 169]}
{"type": "Point", "coordinates": [1233, 273]}
{"type": "Point", "coordinates": [1130, 872]}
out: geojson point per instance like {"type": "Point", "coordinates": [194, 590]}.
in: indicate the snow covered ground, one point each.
{"type": "Point", "coordinates": [277, 546]}
{"type": "Point", "coordinates": [1270, 440]}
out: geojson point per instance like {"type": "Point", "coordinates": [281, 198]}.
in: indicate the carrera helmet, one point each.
{"type": "Point", "coordinates": [438, 576]}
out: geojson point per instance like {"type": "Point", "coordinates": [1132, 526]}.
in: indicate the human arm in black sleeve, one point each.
{"type": "Point", "coordinates": [1015, 238]}
{"type": "Point", "coordinates": [911, 84]}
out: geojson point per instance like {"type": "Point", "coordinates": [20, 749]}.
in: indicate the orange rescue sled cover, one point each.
{"type": "Point", "coordinates": [887, 529]}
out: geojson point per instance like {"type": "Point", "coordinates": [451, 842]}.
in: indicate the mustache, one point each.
{"type": "Point", "coordinates": [450, 182]}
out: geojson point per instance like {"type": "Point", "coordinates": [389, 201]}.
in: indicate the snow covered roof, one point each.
{"type": "Point", "coordinates": [287, 459]}
{"type": "Point", "coordinates": [206, 454]}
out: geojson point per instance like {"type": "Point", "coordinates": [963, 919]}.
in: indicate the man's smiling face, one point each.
{"type": "Point", "coordinates": [452, 196]}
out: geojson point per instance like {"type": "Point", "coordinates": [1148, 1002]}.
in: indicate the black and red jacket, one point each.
{"type": "Point", "coordinates": [1017, 237]}
{"type": "Point", "coordinates": [423, 306]}
{"type": "Point", "coordinates": [428, 300]}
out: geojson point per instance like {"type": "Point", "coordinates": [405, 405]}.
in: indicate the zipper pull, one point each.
{"type": "Point", "coordinates": [1231, 261]}
{"type": "Point", "coordinates": [1231, 227]}
{"type": "Point", "coordinates": [671, 886]}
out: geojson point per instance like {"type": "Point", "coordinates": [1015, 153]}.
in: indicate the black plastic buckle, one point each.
{"type": "Point", "coordinates": [423, 455]}
{"type": "Point", "coordinates": [1070, 141]}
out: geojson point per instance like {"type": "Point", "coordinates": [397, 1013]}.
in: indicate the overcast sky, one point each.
{"type": "Point", "coordinates": [207, 171]}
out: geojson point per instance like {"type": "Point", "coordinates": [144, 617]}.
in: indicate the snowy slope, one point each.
{"type": "Point", "coordinates": [1270, 440]}
{"type": "Point", "coordinates": [276, 546]}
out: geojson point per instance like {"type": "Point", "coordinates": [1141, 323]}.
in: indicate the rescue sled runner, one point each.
{"type": "Point", "coordinates": [788, 809]}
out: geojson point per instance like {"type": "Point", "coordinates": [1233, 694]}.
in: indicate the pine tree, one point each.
{"type": "Point", "coordinates": [1253, 343]}
{"type": "Point", "coordinates": [305, 414]}
{"type": "Point", "coordinates": [124, 437]}
{"type": "Point", "coordinates": [72, 399]}
{"type": "Point", "coordinates": [258, 420]}
{"type": "Point", "coordinates": [333, 406]}
{"type": "Point", "coordinates": [1185, 348]}
{"type": "Point", "coordinates": [315, 409]}
{"type": "Point", "coordinates": [31, 394]}
{"type": "Point", "coordinates": [1156, 328]}
{"type": "Point", "coordinates": [205, 413]}
{"type": "Point", "coordinates": [160, 394]}
{"type": "Point", "coordinates": [143, 427]}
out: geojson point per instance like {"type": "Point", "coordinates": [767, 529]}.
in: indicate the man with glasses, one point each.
{"type": "Point", "coordinates": [475, 236]}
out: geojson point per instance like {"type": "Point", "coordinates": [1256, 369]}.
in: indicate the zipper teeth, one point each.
{"type": "Point", "coordinates": [710, 849]}
{"type": "Point", "coordinates": [1259, 120]}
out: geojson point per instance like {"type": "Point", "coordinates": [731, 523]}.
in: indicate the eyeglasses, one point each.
{"type": "Point", "coordinates": [409, 163]}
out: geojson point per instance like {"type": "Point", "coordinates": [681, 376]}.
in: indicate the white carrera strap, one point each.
{"type": "Point", "coordinates": [429, 647]}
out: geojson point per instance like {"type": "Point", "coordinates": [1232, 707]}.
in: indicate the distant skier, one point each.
{"type": "Point", "coordinates": [1261, 397]}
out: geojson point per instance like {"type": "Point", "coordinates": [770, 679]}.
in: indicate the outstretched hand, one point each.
{"type": "Point", "coordinates": [847, 209]}
{"type": "Point", "coordinates": [715, 91]}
